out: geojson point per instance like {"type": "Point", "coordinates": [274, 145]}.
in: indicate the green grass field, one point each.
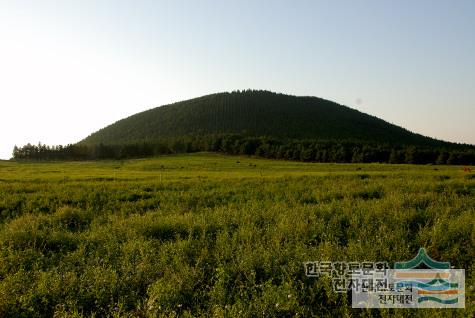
{"type": "Point", "coordinates": [213, 235]}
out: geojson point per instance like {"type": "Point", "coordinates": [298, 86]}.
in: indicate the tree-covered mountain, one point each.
{"type": "Point", "coordinates": [256, 113]}
{"type": "Point", "coordinates": [258, 123]}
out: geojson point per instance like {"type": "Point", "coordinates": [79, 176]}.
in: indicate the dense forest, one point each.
{"type": "Point", "coordinates": [259, 123]}
{"type": "Point", "coordinates": [301, 150]}
{"type": "Point", "coordinates": [256, 113]}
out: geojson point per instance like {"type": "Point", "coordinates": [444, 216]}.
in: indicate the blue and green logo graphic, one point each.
{"type": "Point", "coordinates": [433, 281]}
{"type": "Point", "coordinates": [421, 282]}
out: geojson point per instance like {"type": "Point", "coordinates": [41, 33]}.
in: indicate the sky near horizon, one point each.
{"type": "Point", "coordinates": [69, 68]}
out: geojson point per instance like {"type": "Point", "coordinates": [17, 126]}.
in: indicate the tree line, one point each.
{"type": "Point", "coordinates": [290, 149]}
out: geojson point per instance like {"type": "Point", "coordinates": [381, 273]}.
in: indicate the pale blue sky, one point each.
{"type": "Point", "coordinates": [68, 68]}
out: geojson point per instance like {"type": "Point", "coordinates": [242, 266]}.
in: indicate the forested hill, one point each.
{"type": "Point", "coordinates": [256, 113]}
{"type": "Point", "coordinates": [257, 123]}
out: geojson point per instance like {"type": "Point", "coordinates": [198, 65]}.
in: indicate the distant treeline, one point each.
{"type": "Point", "coordinates": [301, 150]}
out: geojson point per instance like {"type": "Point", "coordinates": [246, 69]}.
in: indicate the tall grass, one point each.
{"type": "Point", "coordinates": [210, 235]}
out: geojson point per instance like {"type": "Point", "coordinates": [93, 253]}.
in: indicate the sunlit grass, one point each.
{"type": "Point", "coordinates": [207, 234]}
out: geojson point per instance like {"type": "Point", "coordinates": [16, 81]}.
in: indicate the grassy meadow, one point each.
{"type": "Point", "coordinates": [219, 236]}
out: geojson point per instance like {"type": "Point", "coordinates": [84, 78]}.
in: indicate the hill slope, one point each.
{"type": "Point", "coordinates": [256, 113]}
